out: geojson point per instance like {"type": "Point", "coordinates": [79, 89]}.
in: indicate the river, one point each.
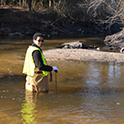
{"type": "Point", "coordinates": [87, 92]}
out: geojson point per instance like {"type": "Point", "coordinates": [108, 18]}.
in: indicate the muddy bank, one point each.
{"type": "Point", "coordinates": [83, 55]}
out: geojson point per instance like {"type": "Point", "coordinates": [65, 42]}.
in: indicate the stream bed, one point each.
{"type": "Point", "coordinates": [87, 92]}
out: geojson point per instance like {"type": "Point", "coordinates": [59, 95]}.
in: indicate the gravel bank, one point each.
{"type": "Point", "coordinates": [83, 55]}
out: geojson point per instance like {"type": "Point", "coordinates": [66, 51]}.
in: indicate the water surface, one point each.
{"type": "Point", "coordinates": [88, 92]}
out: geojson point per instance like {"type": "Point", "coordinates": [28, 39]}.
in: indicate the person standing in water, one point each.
{"type": "Point", "coordinates": [36, 68]}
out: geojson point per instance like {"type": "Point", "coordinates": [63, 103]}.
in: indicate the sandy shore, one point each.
{"type": "Point", "coordinates": [83, 55]}
{"type": "Point", "coordinates": [15, 62]}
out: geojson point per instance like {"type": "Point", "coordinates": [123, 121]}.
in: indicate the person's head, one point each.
{"type": "Point", "coordinates": [38, 39]}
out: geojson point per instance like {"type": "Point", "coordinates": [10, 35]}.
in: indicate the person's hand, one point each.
{"type": "Point", "coordinates": [55, 69]}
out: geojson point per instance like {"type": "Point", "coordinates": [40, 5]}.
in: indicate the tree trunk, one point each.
{"type": "Point", "coordinates": [24, 3]}
{"type": "Point", "coordinates": [30, 5]}
{"type": "Point", "coordinates": [50, 3]}
{"type": "Point", "coordinates": [116, 40]}
{"type": "Point", "coordinates": [20, 3]}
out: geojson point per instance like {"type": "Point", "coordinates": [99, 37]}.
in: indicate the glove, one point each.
{"type": "Point", "coordinates": [55, 69]}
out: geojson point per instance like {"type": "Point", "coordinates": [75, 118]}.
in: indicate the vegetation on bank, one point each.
{"type": "Point", "coordinates": [62, 16]}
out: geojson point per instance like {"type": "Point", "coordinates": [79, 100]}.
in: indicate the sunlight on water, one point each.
{"type": "Point", "coordinates": [88, 92]}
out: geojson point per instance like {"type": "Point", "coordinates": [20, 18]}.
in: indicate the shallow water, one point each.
{"type": "Point", "coordinates": [87, 92]}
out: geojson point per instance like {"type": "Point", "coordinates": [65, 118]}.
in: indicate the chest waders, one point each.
{"type": "Point", "coordinates": [36, 79]}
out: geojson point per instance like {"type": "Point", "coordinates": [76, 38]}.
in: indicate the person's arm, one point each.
{"type": "Point", "coordinates": [39, 62]}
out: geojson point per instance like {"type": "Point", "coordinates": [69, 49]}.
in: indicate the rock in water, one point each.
{"type": "Point", "coordinates": [116, 40]}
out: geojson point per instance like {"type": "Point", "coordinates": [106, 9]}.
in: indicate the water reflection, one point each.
{"type": "Point", "coordinates": [28, 110]}
{"type": "Point", "coordinates": [114, 72]}
{"type": "Point", "coordinates": [93, 74]}
{"type": "Point", "coordinates": [103, 74]}
{"type": "Point", "coordinates": [98, 102]}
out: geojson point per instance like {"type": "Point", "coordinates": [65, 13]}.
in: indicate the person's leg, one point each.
{"type": "Point", "coordinates": [30, 85]}
{"type": "Point", "coordinates": [38, 83]}
{"type": "Point", "coordinates": [43, 85]}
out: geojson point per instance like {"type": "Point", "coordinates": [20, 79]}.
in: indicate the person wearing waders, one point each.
{"type": "Point", "coordinates": [36, 68]}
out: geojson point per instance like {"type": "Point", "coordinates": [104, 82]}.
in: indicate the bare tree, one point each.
{"type": "Point", "coordinates": [20, 3]}
{"type": "Point", "coordinates": [30, 4]}
{"type": "Point", "coordinates": [104, 11]}
{"type": "Point", "coordinates": [24, 3]}
{"type": "Point", "coordinates": [50, 3]}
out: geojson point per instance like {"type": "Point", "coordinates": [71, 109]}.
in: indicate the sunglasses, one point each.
{"type": "Point", "coordinates": [40, 40]}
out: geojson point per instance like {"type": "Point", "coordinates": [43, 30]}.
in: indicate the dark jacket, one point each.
{"type": "Point", "coordinates": [38, 60]}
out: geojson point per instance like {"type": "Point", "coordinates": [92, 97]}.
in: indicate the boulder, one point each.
{"type": "Point", "coordinates": [19, 34]}
{"type": "Point", "coordinates": [116, 40]}
{"type": "Point", "coordinates": [72, 45]}
{"type": "Point", "coordinates": [54, 33]}
{"type": "Point", "coordinates": [78, 45]}
{"type": "Point", "coordinates": [4, 31]}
